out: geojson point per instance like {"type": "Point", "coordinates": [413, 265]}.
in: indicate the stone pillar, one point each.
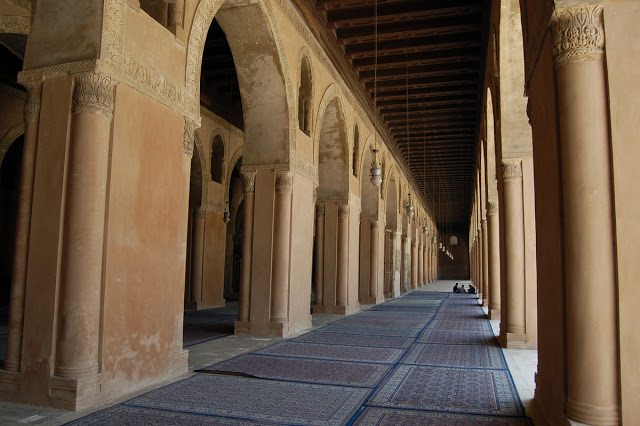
{"type": "Point", "coordinates": [420, 265]}
{"type": "Point", "coordinates": [342, 283]}
{"type": "Point", "coordinates": [406, 262]}
{"type": "Point", "coordinates": [373, 260]}
{"type": "Point", "coordinates": [197, 256]}
{"type": "Point", "coordinates": [281, 234]}
{"type": "Point", "coordinates": [318, 258]}
{"type": "Point", "coordinates": [513, 333]}
{"type": "Point", "coordinates": [414, 263]}
{"type": "Point", "coordinates": [485, 264]}
{"type": "Point", "coordinates": [397, 260]}
{"type": "Point", "coordinates": [249, 181]}
{"type": "Point", "coordinates": [494, 259]}
{"type": "Point", "coordinates": [591, 311]}
{"type": "Point", "coordinates": [78, 337]}
{"type": "Point", "coordinates": [23, 220]}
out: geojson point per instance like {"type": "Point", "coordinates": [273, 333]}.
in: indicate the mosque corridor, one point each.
{"type": "Point", "coordinates": [429, 357]}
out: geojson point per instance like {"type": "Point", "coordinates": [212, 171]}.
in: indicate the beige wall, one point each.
{"type": "Point", "coordinates": [621, 22]}
{"type": "Point", "coordinates": [147, 215]}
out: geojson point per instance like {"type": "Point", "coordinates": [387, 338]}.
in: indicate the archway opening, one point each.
{"type": "Point", "coordinates": [330, 287]}
{"type": "Point", "coordinates": [369, 195]}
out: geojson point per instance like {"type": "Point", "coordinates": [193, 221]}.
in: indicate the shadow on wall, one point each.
{"type": "Point", "coordinates": [458, 268]}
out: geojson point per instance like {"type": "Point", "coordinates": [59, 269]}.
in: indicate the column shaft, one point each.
{"type": "Point", "coordinates": [282, 230]}
{"type": "Point", "coordinates": [197, 256]}
{"type": "Point", "coordinates": [514, 334]}
{"type": "Point", "coordinates": [318, 258]}
{"type": "Point", "coordinates": [414, 263]}
{"type": "Point", "coordinates": [373, 260]}
{"type": "Point", "coordinates": [485, 264]}
{"type": "Point", "coordinates": [406, 262]}
{"type": "Point", "coordinates": [494, 260]}
{"type": "Point", "coordinates": [249, 179]}
{"type": "Point", "coordinates": [77, 348]}
{"type": "Point", "coordinates": [343, 255]}
{"type": "Point", "coordinates": [591, 311]}
{"type": "Point", "coordinates": [23, 220]}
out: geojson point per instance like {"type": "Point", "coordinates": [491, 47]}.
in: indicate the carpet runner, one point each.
{"type": "Point", "coordinates": [425, 358]}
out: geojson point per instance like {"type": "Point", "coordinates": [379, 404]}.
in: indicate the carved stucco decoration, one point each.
{"type": "Point", "coordinates": [15, 24]}
{"type": "Point", "coordinates": [284, 181]}
{"type": "Point", "coordinates": [249, 180]}
{"type": "Point", "coordinates": [343, 210]}
{"type": "Point", "coordinates": [93, 92]}
{"type": "Point", "coordinates": [578, 34]}
{"type": "Point", "coordinates": [492, 208]}
{"type": "Point", "coordinates": [511, 169]}
{"type": "Point", "coordinates": [188, 139]}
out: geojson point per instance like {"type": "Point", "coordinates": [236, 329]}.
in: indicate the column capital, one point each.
{"type": "Point", "coordinates": [34, 95]}
{"type": "Point", "coordinates": [343, 210]}
{"type": "Point", "coordinates": [189, 136]}
{"type": "Point", "coordinates": [248, 180]}
{"type": "Point", "coordinates": [483, 224]}
{"type": "Point", "coordinates": [511, 169]}
{"type": "Point", "coordinates": [375, 224]}
{"type": "Point", "coordinates": [284, 180]}
{"type": "Point", "coordinates": [578, 34]}
{"type": "Point", "coordinates": [320, 209]}
{"type": "Point", "coordinates": [492, 208]}
{"type": "Point", "coordinates": [93, 92]}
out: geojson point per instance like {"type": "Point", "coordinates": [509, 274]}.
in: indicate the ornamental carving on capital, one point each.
{"type": "Point", "coordinates": [320, 209]}
{"type": "Point", "coordinates": [284, 181]}
{"type": "Point", "coordinates": [343, 210]}
{"type": "Point", "coordinates": [249, 180]}
{"type": "Point", "coordinates": [578, 34]}
{"type": "Point", "coordinates": [511, 169]}
{"type": "Point", "coordinates": [189, 137]}
{"type": "Point", "coordinates": [93, 92]}
{"type": "Point", "coordinates": [492, 208]}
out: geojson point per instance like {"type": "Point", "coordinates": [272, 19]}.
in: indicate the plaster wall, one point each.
{"type": "Point", "coordinates": [621, 19]}
{"type": "Point", "coordinates": [147, 213]}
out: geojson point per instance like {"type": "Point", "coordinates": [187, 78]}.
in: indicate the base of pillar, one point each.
{"type": "Point", "coordinates": [582, 413]}
{"type": "Point", "coordinates": [242, 328]}
{"type": "Point", "coordinates": [485, 303]}
{"type": "Point", "coordinates": [335, 310]}
{"type": "Point", "coordinates": [180, 362]}
{"type": "Point", "coordinates": [74, 394]}
{"type": "Point", "coordinates": [370, 301]}
{"type": "Point", "coordinates": [9, 381]}
{"type": "Point", "coordinates": [513, 340]}
{"type": "Point", "coordinates": [494, 314]}
{"type": "Point", "coordinates": [279, 329]}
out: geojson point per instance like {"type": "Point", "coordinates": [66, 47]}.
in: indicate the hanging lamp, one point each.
{"type": "Point", "coordinates": [375, 173]}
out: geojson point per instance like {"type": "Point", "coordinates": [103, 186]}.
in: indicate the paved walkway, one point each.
{"type": "Point", "coordinates": [426, 358]}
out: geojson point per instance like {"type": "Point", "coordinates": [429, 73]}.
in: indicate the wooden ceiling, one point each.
{"type": "Point", "coordinates": [427, 83]}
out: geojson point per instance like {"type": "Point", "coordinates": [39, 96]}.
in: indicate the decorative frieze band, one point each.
{"type": "Point", "coordinates": [93, 92]}
{"type": "Point", "coordinates": [511, 169]}
{"type": "Point", "coordinates": [284, 181]}
{"type": "Point", "coordinates": [249, 180]}
{"type": "Point", "coordinates": [15, 24]}
{"type": "Point", "coordinates": [578, 34]}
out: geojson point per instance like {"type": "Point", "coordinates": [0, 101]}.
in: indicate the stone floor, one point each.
{"type": "Point", "coordinates": [522, 365]}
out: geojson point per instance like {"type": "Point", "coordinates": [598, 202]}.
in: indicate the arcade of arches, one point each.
{"type": "Point", "coordinates": [160, 158]}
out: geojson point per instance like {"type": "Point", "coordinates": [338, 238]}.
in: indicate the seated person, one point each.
{"type": "Point", "coordinates": [472, 289]}
{"type": "Point", "coordinates": [456, 289]}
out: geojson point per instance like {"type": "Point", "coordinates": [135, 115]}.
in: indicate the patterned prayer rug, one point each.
{"type": "Point", "coordinates": [257, 400]}
{"type": "Point", "coordinates": [123, 415]}
{"type": "Point", "coordinates": [355, 340]}
{"type": "Point", "coordinates": [194, 335]}
{"type": "Point", "coordinates": [409, 309]}
{"type": "Point", "coordinates": [452, 337]}
{"type": "Point", "coordinates": [407, 322]}
{"type": "Point", "coordinates": [305, 370]}
{"type": "Point", "coordinates": [471, 356]}
{"type": "Point", "coordinates": [487, 392]}
{"type": "Point", "coordinates": [460, 325]}
{"type": "Point", "coordinates": [390, 417]}
{"type": "Point", "coordinates": [371, 331]}
{"type": "Point", "coordinates": [334, 352]}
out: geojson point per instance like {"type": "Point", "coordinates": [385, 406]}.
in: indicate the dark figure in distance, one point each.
{"type": "Point", "coordinates": [457, 289]}
{"type": "Point", "coordinates": [472, 289]}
